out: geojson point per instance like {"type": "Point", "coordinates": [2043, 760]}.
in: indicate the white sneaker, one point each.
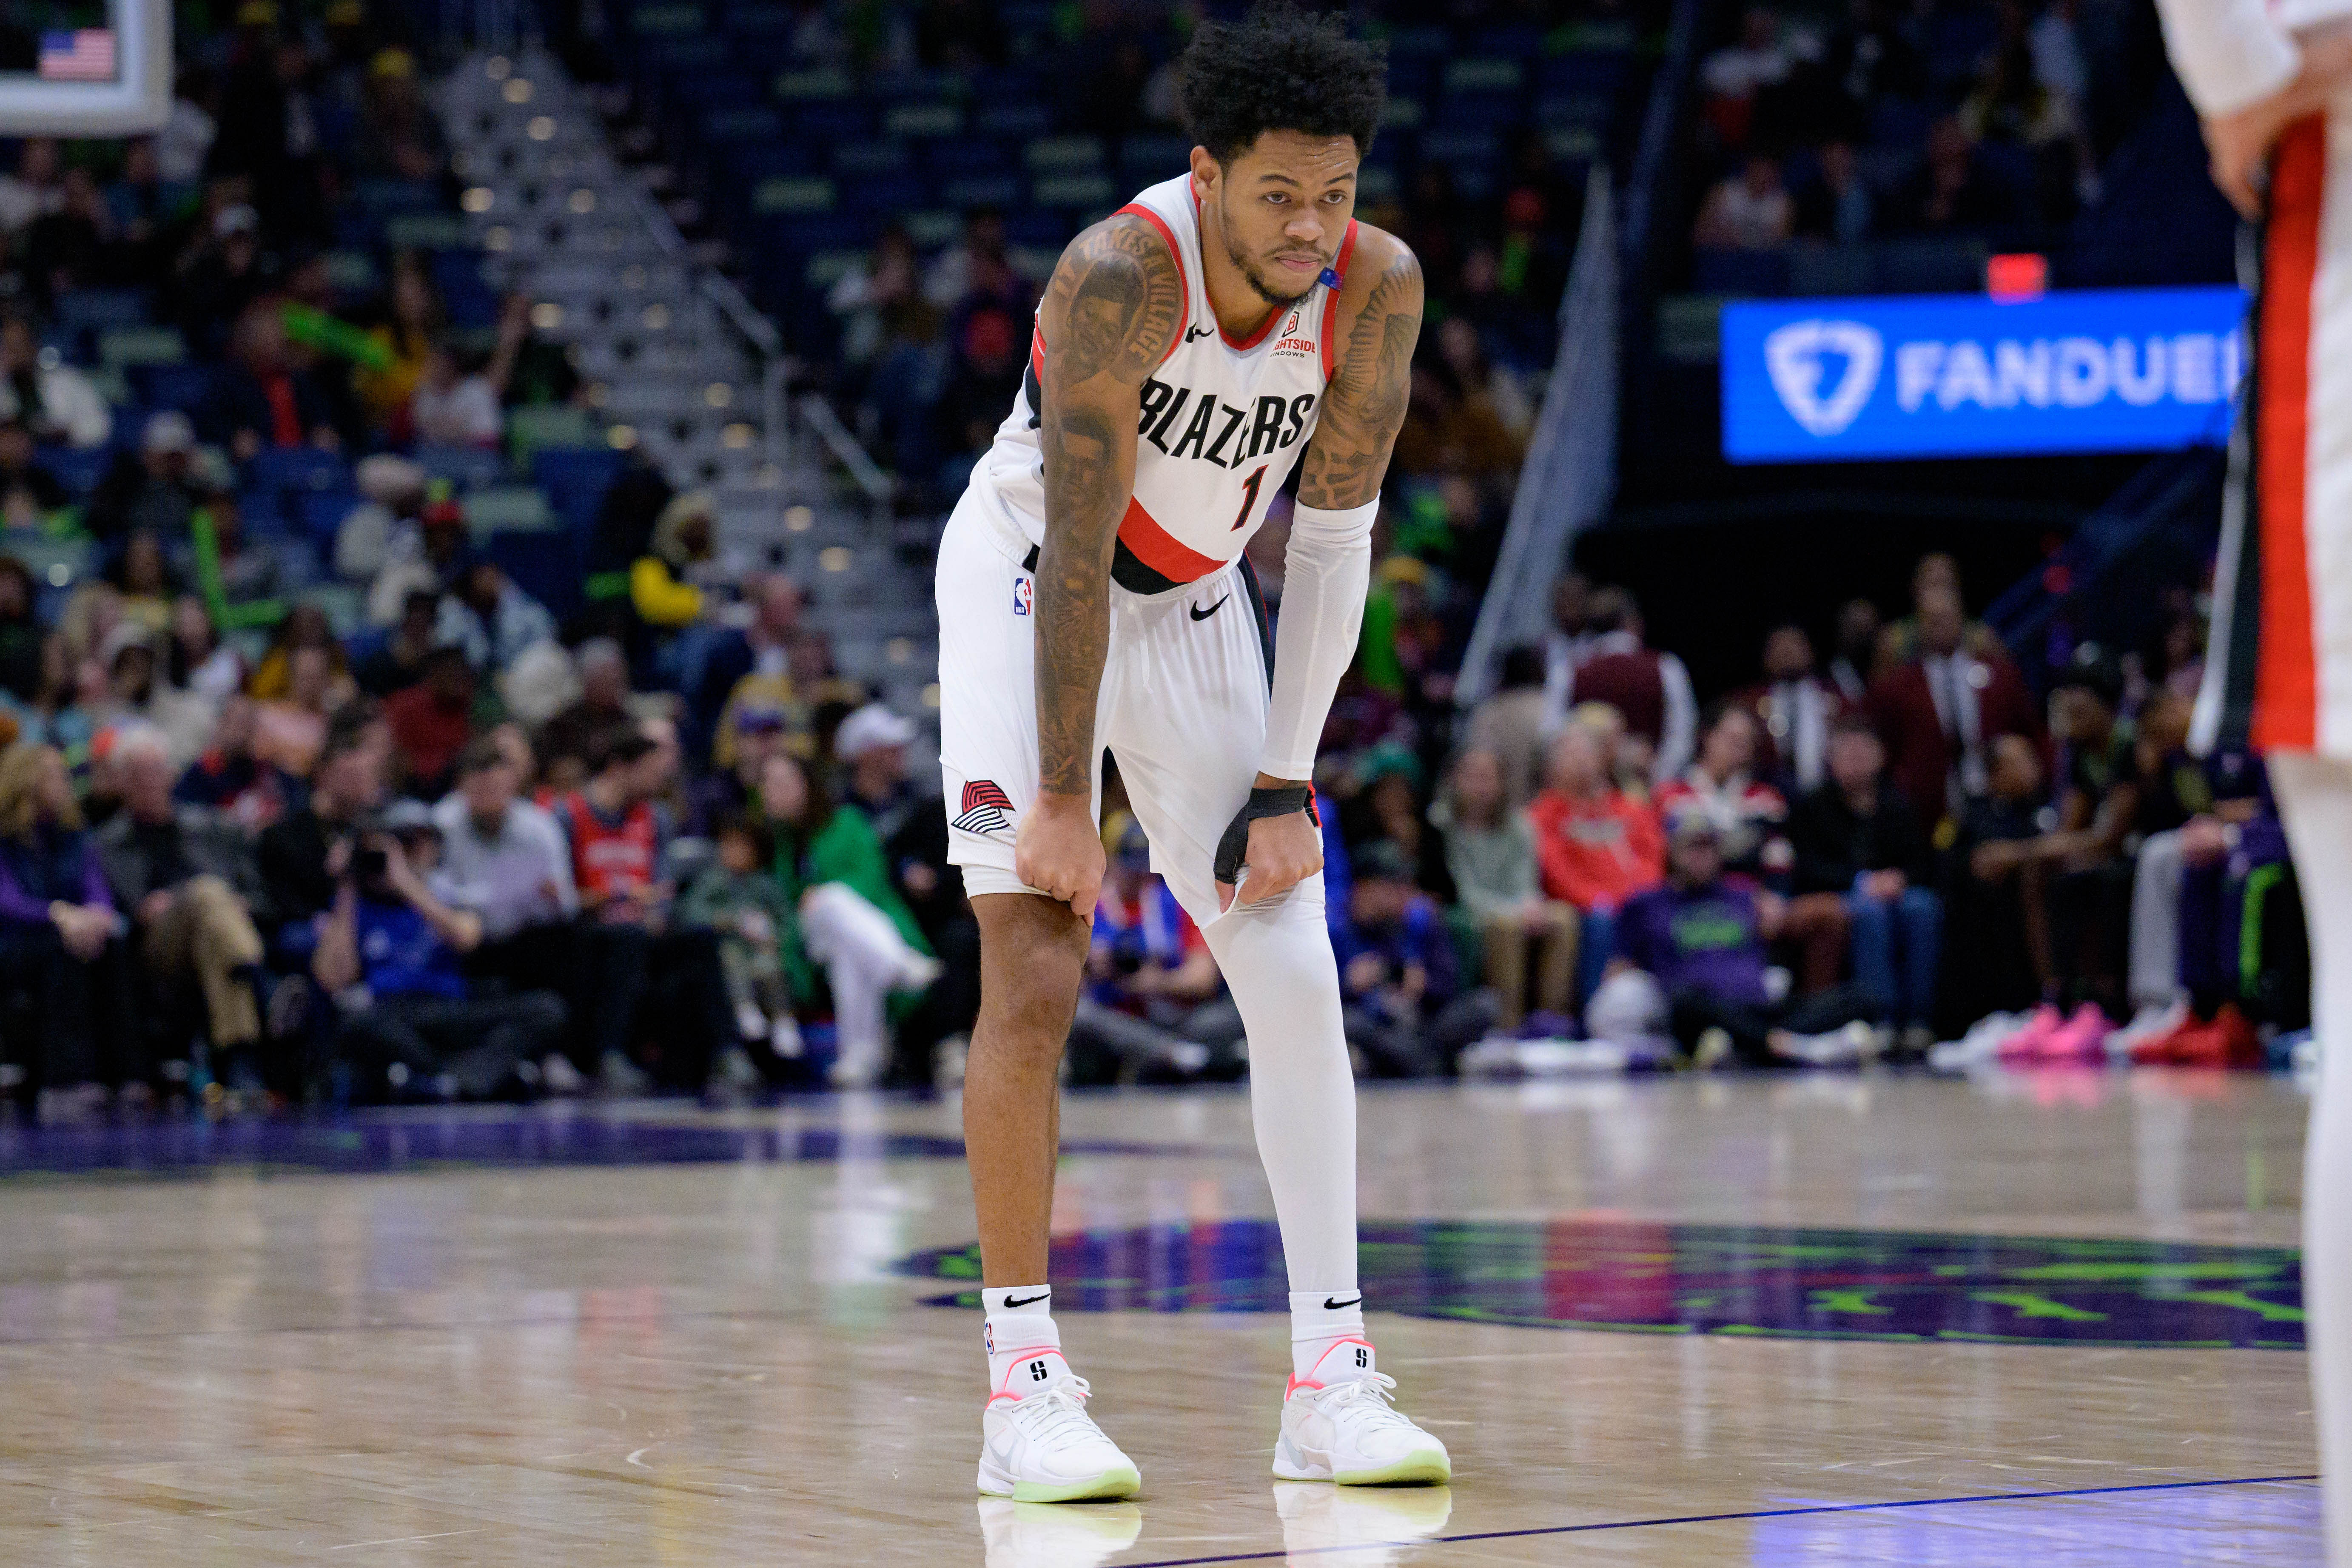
{"type": "Point", "coordinates": [1348, 1431]}
{"type": "Point", "coordinates": [1033, 1535]}
{"type": "Point", "coordinates": [1044, 1448]}
{"type": "Point", "coordinates": [1359, 1527]}
{"type": "Point", "coordinates": [558, 1075]}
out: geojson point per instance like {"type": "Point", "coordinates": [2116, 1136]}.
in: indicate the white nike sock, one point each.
{"type": "Point", "coordinates": [1278, 962]}
{"type": "Point", "coordinates": [1318, 1328]}
{"type": "Point", "coordinates": [1024, 1348]}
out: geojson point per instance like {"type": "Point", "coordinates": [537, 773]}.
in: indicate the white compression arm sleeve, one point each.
{"type": "Point", "coordinates": [1326, 572]}
{"type": "Point", "coordinates": [2229, 53]}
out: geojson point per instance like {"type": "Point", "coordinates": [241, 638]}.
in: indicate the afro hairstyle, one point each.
{"type": "Point", "coordinates": [1280, 69]}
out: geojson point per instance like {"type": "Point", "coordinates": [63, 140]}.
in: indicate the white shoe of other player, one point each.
{"type": "Point", "coordinates": [1035, 1535]}
{"type": "Point", "coordinates": [1361, 1527]}
{"type": "Point", "coordinates": [1339, 1425]}
{"type": "Point", "coordinates": [1044, 1448]}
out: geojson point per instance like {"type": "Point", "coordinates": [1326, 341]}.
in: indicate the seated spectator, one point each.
{"type": "Point", "coordinates": [2192, 816]}
{"type": "Point", "coordinates": [872, 744]}
{"type": "Point", "coordinates": [1399, 979]}
{"type": "Point", "coordinates": [1796, 708]}
{"type": "Point", "coordinates": [432, 721]}
{"type": "Point", "coordinates": [187, 877]}
{"type": "Point", "coordinates": [1691, 958]}
{"type": "Point", "coordinates": [1835, 205]}
{"type": "Point", "coordinates": [1651, 690]}
{"type": "Point", "coordinates": [428, 555]}
{"type": "Point", "coordinates": [61, 941]}
{"type": "Point", "coordinates": [1149, 1008]}
{"type": "Point", "coordinates": [1388, 805]}
{"type": "Point", "coordinates": [566, 741]}
{"type": "Point", "coordinates": [1951, 194]}
{"type": "Point", "coordinates": [29, 491]}
{"type": "Point", "coordinates": [240, 582]}
{"type": "Point", "coordinates": [137, 692]}
{"type": "Point", "coordinates": [494, 621]}
{"type": "Point", "coordinates": [736, 897]}
{"type": "Point", "coordinates": [228, 777]}
{"type": "Point", "coordinates": [1732, 77]}
{"type": "Point", "coordinates": [761, 647]}
{"type": "Point", "coordinates": [394, 658]}
{"type": "Point", "coordinates": [1996, 925]}
{"type": "Point", "coordinates": [20, 633]}
{"type": "Point", "coordinates": [851, 919]}
{"type": "Point", "coordinates": [1750, 816]}
{"type": "Point", "coordinates": [305, 627]}
{"type": "Point", "coordinates": [1509, 725]}
{"type": "Point", "coordinates": [1595, 846]}
{"type": "Point", "coordinates": [197, 660]}
{"type": "Point", "coordinates": [390, 950]}
{"type": "Point", "coordinates": [1749, 211]}
{"type": "Point", "coordinates": [453, 406]}
{"type": "Point", "coordinates": [658, 579]}
{"type": "Point", "coordinates": [1858, 840]}
{"type": "Point", "coordinates": [1940, 710]}
{"type": "Point", "coordinates": [1490, 849]}
{"type": "Point", "coordinates": [392, 491]}
{"type": "Point", "coordinates": [141, 575]}
{"type": "Point", "coordinates": [295, 853]}
{"type": "Point", "coordinates": [289, 731]}
{"type": "Point", "coordinates": [1855, 663]}
{"type": "Point", "coordinates": [155, 487]}
{"type": "Point", "coordinates": [633, 960]}
{"type": "Point", "coordinates": [56, 402]}
{"type": "Point", "coordinates": [266, 398]}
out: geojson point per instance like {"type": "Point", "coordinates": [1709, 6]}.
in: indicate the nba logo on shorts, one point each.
{"type": "Point", "coordinates": [1023, 592]}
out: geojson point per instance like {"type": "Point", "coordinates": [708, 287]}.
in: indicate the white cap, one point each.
{"type": "Point", "coordinates": [870, 729]}
{"type": "Point", "coordinates": [169, 431]}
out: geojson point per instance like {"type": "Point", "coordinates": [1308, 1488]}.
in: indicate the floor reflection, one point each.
{"type": "Point", "coordinates": [1708, 1278]}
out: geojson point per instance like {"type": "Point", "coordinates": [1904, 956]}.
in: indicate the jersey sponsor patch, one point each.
{"type": "Point", "coordinates": [1025, 593]}
{"type": "Point", "coordinates": [984, 809]}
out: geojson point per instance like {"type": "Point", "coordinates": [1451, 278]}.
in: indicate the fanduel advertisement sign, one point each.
{"type": "Point", "coordinates": [2111, 370]}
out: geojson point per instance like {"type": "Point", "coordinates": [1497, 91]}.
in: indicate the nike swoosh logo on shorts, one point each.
{"type": "Point", "coordinates": [1201, 615]}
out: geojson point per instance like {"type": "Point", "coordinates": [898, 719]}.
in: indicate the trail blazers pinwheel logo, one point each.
{"type": "Point", "coordinates": [984, 808]}
{"type": "Point", "coordinates": [1798, 357]}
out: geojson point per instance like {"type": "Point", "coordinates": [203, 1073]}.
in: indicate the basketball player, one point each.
{"type": "Point", "coordinates": [2274, 87]}
{"type": "Point", "coordinates": [1190, 350]}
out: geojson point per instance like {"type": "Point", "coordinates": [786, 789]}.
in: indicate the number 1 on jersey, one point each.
{"type": "Point", "coordinates": [1249, 496]}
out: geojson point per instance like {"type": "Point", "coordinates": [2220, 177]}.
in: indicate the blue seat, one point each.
{"type": "Point", "coordinates": [286, 469]}
{"type": "Point", "coordinates": [75, 469]}
{"type": "Point", "coordinates": [748, 162]}
{"type": "Point", "coordinates": [1015, 120]}
{"type": "Point", "coordinates": [1740, 272]}
{"type": "Point", "coordinates": [466, 294]}
{"type": "Point", "coordinates": [261, 511]}
{"type": "Point", "coordinates": [1044, 230]}
{"type": "Point", "coordinates": [825, 122]}
{"type": "Point", "coordinates": [981, 191]}
{"type": "Point", "coordinates": [742, 123]}
{"type": "Point", "coordinates": [868, 160]}
{"type": "Point", "coordinates": [186, 387]}
{"type": "Point", "coordinates": [575, 480]}
{"type": "Point", "coordinates": [1489, 112]}
{"type": "Point", "coordinates": [1598, 71]}
{"type": "Point", "coordinates": [887, 194]}
{"type": "Point", "coordinates": [963, 156]}
{"type": "Point", "coordinates": [549, 564]}
{"type": "Point", "coordinates": [467, 467]}
{"type": "Point", "coordinates": [1147, 160]}
{"type": "Point", "coordinates": [318, 516]}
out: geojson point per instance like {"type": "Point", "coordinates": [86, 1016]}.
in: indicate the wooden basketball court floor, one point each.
{"type": "Point", "coordinates": [1799, 1320]}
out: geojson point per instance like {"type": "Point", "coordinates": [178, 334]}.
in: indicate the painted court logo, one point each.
{"type": "Point", "coordinates": [984, 809]}
{"type": "Point", "coordinates": [1797, 356]}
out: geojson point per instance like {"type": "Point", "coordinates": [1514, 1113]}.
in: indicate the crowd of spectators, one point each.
{"type": "Point", "coordinates": [1968, 120]}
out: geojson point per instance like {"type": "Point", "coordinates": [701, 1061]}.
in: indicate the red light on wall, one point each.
{"type": "Point", "coordinates": [2023, 275]}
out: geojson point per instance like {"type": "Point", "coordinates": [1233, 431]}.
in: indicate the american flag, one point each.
{"type": "Point", "coordinates": [86, 54]}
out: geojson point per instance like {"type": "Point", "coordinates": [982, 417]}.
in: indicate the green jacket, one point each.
{"type": "Point", "coordinates": [843, 850]}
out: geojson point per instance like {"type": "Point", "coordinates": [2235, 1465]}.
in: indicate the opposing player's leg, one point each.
{"type": "Point", "coordinates": [1185, 705]}
{"type": "Point", "coordinates": [2314, 796]}
{"type": "Point", "coordinates": [1038, 1444]}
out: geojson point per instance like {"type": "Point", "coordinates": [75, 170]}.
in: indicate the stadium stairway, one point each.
{"type": "Point", "coordinates": [679, 365]}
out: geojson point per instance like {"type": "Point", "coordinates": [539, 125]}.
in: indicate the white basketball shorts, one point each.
{"type": "Point", "coordinates": [1182, 708]}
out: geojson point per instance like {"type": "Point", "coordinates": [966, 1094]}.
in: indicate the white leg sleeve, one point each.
{"type": "Point", "coordinates": [2314, 796]}
{"type": "Point", "coordinates": [2155, 923]}
{"type": "Point", "coordinates": [1278, 962]}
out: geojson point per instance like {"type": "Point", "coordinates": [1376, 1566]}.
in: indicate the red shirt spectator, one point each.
{"type": "Point", "coordinates": [432, 721]}
{"type": "Point", "coordinates": [1596, 845]}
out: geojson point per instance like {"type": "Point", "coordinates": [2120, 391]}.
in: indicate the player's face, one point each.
{"type": "Point", "coordinates": [1281, 207]}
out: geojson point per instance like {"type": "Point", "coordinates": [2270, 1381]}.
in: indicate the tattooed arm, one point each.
{"type": "Point", "coordinates": [1364, 406]}
{"type": "Point", "coordinates": [1115, 303]}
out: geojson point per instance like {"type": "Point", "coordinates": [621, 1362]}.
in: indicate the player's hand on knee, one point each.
{"type": "Point", "coordinates": [1057, 851]}
{"type": "Point", "coordinates": [1264, 856]}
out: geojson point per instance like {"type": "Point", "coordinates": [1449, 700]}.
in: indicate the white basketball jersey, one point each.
{"type": "Point", "coordinates": [1222, 419]}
